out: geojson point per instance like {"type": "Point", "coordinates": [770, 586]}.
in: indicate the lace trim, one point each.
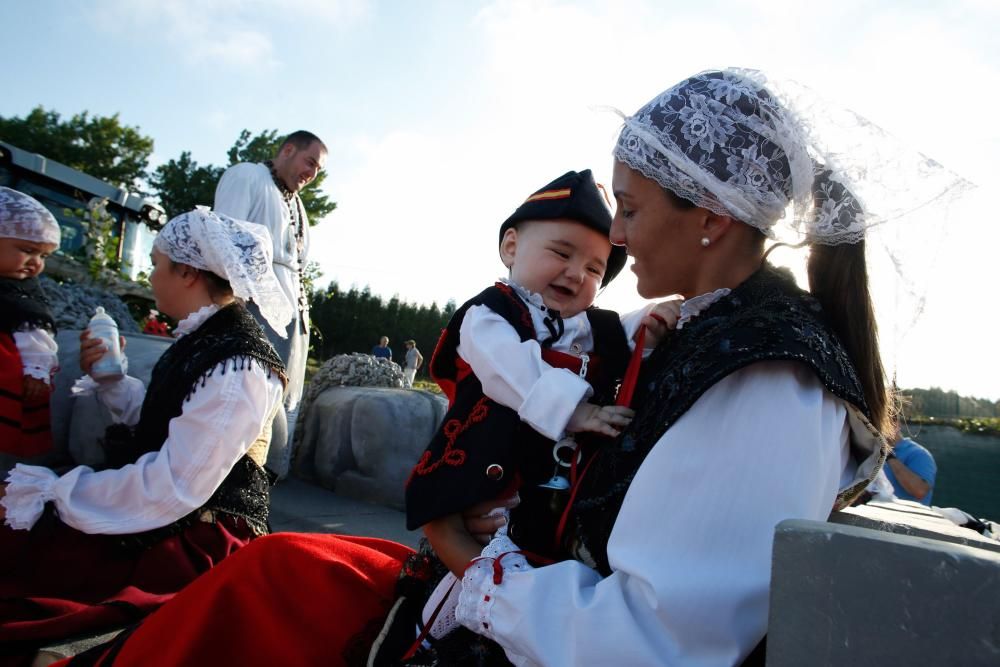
{"type": "Point", "coordinates": [481, 582]}
{"type": "Point", "coordinates": [29, 488]}
{"type": "Point", "coordinates": [195, 320]}
{"type": "Point", "coordinates": [697, 305]}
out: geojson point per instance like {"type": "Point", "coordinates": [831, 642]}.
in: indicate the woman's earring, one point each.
{"type": "Point", "coordinates": [705, 241]}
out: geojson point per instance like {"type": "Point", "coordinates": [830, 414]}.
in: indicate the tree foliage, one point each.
{"type": "Point", "coordinates": [938, 403]}
{"type": "Point", "coordinates": [353, 320]}
{"type": "Point", "coordinates": [98, 145]}
{"type": "Point", "coordinates": [183, 184]}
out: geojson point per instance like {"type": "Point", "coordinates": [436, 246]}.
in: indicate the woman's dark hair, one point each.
{"type": "Point", "coordinates": [838, 279]}
{"type": "Point", "coordinates": [217, 285]}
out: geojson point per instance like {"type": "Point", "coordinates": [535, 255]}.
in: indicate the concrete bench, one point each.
{"type": "Point", "coordinates": [884, 585]}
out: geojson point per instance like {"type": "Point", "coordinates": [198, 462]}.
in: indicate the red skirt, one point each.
{"type": "Point", "coordinates": [287, 599]}
{"type": "Point", "coordinates": [24, 425]}
{"type": "Point", "coordinates": [57, 582]}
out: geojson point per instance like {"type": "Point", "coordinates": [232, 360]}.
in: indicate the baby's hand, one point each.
{"type": "Point", "coordinates": [661, 319]}
{"type": "Point", "coordinates": [34, 389]}
{"type": "Point", "coordinates": [607, 419]}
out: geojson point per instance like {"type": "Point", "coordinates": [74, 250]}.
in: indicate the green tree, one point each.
{"type": "Point", "coordinates": [183, 184]}
{"type": "Point", "coordinates": [263, 147]}
{"type": "Point", "coordinates": [98, 145]}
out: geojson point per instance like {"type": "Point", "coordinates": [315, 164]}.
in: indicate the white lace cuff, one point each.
{"type": "Point", "coordinates": [28, 489]}
{"type": "Point", "coordinates": [482, 579]}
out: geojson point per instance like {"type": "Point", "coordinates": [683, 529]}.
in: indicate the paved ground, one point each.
{"type": "Point", "coordinates": [298, 506]}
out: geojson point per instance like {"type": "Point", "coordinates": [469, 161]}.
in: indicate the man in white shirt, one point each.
{"type": "Point", "coordinates": [268, 194]}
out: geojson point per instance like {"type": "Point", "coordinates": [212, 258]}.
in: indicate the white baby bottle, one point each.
{"type": "Point", "coordinates": [109, 367]}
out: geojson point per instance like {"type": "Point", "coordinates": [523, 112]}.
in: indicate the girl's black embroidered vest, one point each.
{"type": "Point", "coordinates": [23, 302]}
{"type": "Point", "coordinates": [481, 444]}
{"type": "Point", "coordinates": [767, 318]}
{"type": "Point", "coordinates": [232, 336]}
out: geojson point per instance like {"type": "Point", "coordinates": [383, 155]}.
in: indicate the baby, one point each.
{"type": "Point", "coordinates": [28, 234]}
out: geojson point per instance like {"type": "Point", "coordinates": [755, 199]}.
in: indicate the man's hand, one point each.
{"type": "Point", "coordinates": [606, 420]}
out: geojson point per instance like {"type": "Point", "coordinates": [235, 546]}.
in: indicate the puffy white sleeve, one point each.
{"type": "Point", "coordinates": [38, 351]}
{"type": "Point", "coordinates": [215, 429]}
{"type": "Point", "coordinates": [234, 194]}
{"type": "Point", "coordinates": [690, 551]}
{"type": "Point", "coordinates": [513, 373]}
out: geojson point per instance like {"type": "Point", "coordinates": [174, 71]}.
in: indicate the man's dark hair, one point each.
{"type": "Point", "coordinates": [301, 139]}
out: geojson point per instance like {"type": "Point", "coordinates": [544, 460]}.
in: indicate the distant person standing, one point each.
{"type": "Point", "coordinates": [382, 350]}
{"type": "Point", "coordinates": [413, 362]}
{"type": "Point", "coordinates": [268, 194]}
{"type": "Point", "coordinates": [911, 470]}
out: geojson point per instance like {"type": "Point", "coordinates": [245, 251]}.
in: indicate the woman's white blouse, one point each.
{"type": "Point", "coordinates": [691, 548]}
{"type": "Point", "coordinates": [215, 429]}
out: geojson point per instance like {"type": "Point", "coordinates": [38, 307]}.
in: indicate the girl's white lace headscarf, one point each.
{"type": "Point", "coordinates": [241, 252]}
{"type": "Point", "coordinates": [23, 217]}
{"type": "Point", "coordinates": [730, 144]}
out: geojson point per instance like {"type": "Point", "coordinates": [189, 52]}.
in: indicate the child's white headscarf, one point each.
{"type": "Point", "coordinates": [23, 217]}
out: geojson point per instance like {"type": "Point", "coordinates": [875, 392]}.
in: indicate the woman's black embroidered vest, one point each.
{"type": "Point", "coordinates": [232, 336]}
{"type": "Point", "coordinates": [767, 318]}
{"type": "Point", "coordinates": [478, 433]}
{"type": "Point", "coordinates": [23, 302]}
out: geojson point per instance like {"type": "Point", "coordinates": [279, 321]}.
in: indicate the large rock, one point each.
{"type": "Point", "coordinates": [362, 442]}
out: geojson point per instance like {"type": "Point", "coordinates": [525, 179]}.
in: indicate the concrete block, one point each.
{"type": "Point", "coordinates": [846, 595]}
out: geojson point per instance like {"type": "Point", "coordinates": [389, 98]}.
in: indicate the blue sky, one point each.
{"type": "Point", "coordinates": [442, 116]}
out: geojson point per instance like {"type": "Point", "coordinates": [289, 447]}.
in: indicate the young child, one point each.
{"type": "Point", "coordinates": [28, 234]}
{"type": "Point", "coordinates": [524, 363]}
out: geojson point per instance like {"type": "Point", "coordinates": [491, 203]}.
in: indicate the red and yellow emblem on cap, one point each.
{"type": "Point", "coordinates": [562, 193]}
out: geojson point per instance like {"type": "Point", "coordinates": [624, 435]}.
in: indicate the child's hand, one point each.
{"type": "Point", "coordinates": [607, 419]}
{"type": "Point", "coordinates": [661, 319]}
{"type": "Point", "coordinates": [35, 389]}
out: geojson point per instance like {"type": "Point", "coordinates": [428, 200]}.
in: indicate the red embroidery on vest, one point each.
{"type": "Point", "coordinates": [525, 314]}
{"type": "Point", "coordinates": [452, 455]}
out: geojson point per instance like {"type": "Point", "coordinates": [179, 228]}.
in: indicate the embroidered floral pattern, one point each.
{"type": "Point", "coordinates": [453, 428]}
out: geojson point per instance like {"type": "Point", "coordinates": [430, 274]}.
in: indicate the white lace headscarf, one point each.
{"type": "Point", "coordinates": [23, 217]}
{"type": "Point", "coordinates": [727, 143]}
{"type": "Point", "coordinates": [241, 252]}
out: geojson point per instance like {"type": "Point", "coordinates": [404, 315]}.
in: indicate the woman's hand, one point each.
{"type": "Point", "coordinates": [606, 420]}
{"type": "Point", "coordinates": [481, 524]}
{"type": "Point", "coordinates": [662, 319]}
{"type": "Point", "coordinates": [35, 389]}
{"type": "Point", "coordinates": [92, 349]}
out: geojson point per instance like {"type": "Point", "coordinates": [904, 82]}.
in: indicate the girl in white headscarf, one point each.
{"type": "Point", "coordinates": [767, 403]}
{"type": "Point", "coordinates": [86, 550]}
{"type": "Point", "coordinates": [28, 235]}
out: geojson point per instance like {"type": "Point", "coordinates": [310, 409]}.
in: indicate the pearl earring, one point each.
{"type": "Point", "coordinates": [705, 241]}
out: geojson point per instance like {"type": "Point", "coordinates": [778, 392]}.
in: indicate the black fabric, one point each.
{"type": "Point", "coordinates": [23, 302]}
{"type": "Point", "coordinates": [478, 433]}
{"type": "Point", "coordinates": [228, 341]}
{"type": "Point", "coordinates": [573, 196]}
{"type": "Point", "coordinates": [767, 318]}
